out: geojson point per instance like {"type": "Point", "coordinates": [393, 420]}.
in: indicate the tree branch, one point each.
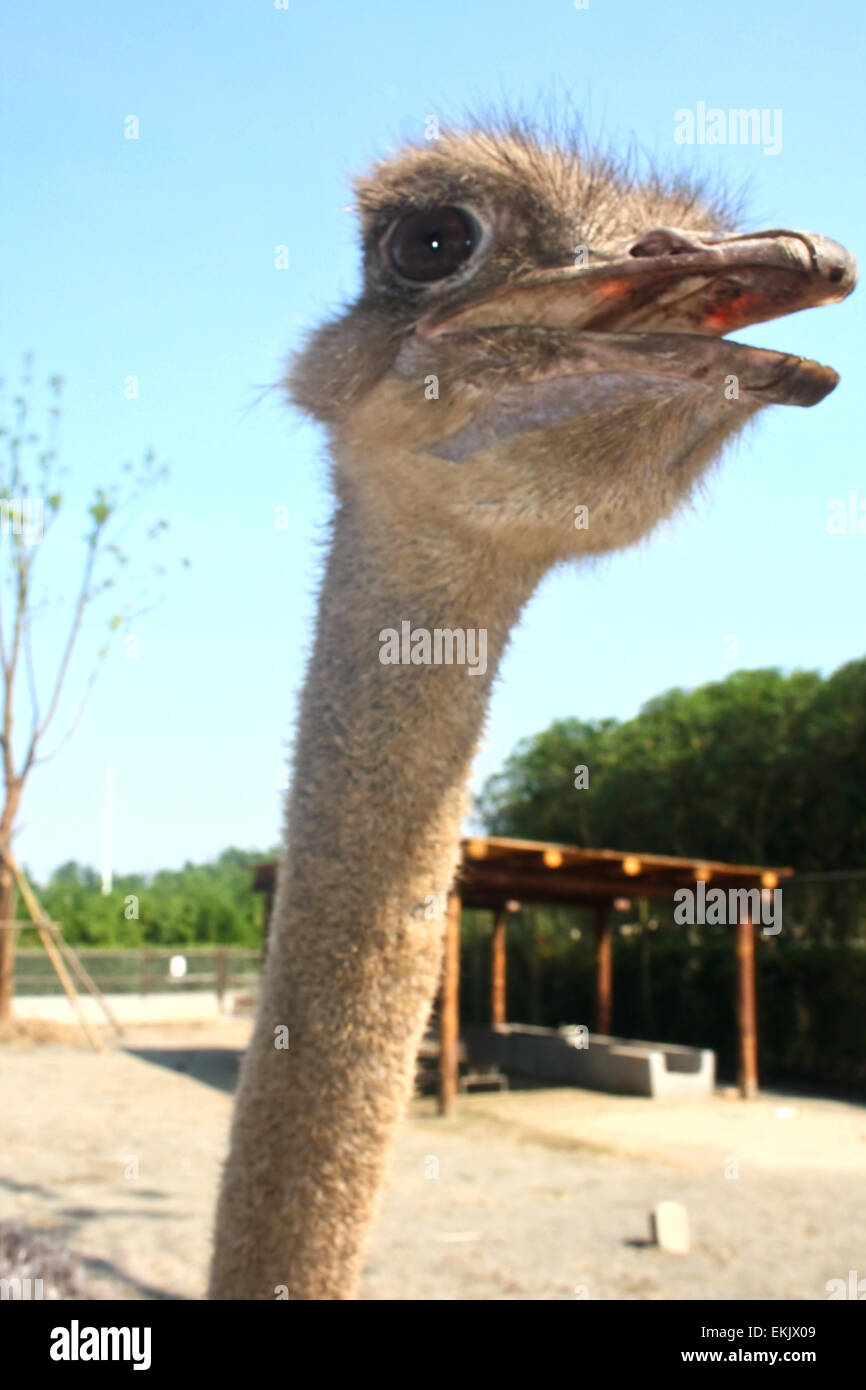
{"type": "Point", "coordinates": [75, 627]}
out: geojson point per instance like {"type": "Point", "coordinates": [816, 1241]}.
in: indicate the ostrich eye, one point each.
{"type": "Point", "coordinates": [432, 244]}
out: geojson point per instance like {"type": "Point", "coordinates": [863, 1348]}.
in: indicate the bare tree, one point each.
{"type": "Point", "coordinates": [30, 504]}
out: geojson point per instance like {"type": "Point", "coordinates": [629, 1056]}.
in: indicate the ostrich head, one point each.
{"type": "Point", "coordinates": [539, 331]}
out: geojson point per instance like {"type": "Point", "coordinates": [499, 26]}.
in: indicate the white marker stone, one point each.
{"type": "Point", "coordinates": [669, 1227]}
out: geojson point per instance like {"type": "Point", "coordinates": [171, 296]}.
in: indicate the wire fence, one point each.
{"type": "Point", "coordinates": [145, 970]}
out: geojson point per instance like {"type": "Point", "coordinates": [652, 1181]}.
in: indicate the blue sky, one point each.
{"type": "Point", "coordinates": [155, 258]}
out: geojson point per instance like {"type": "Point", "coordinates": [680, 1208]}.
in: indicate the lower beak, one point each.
{"type": "Point", "coordinates": [665, 314]}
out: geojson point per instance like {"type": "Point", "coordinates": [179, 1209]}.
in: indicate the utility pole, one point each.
{"type": "Point", "coordinates": [107, 826]}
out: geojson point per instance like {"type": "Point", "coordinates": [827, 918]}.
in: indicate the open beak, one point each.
{"type": "Point", "coordinates": [664, 315]}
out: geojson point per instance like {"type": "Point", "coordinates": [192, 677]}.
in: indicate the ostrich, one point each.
{"type": "Point", "coordinates": [537, 332]}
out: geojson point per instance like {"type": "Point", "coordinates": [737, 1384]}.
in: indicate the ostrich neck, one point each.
{"type": "Point", "coordinates": [373, 820]}
{"type": "Point", "coordinates": [383, 748]}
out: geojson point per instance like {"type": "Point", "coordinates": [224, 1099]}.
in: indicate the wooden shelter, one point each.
{"type": "Point", "coordinates": [495, 872]}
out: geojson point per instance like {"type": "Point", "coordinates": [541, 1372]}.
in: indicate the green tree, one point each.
{"type": "Point", "coordinates": [761, 767]}
{"type": "Point", "coordinates": [198, 905]}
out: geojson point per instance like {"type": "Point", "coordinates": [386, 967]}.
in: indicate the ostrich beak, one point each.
{"type": "Point", "coordinates": [662, 317]}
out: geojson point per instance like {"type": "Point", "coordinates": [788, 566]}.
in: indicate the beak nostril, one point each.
{"type": "Point", "coordinates": [663, 241]}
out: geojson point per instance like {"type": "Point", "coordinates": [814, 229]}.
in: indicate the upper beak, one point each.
{"type": "Point", "coordinates": [641, 301]}
{"type": "Point", "coordinates": [713, 287]}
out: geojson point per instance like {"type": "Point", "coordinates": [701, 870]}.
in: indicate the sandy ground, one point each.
{"type": "Point", "coordinates": [526, 1195]}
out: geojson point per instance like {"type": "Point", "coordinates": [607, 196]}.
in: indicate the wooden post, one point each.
{"type": "Point", "coordinates": [497, 969]}
{"type": "Point", "coordinates": [449, 1008]}
{"type": "Point", "coordinates": [52, 939]}
{"type": "Point", "coordinates": [603, 970]}
{"type": "Point", "coordinates": [222, 973]}
{"type": "Point", "coordinates": [63, 976]}
{"type": "Point", "coordinates": [535, 1014]}
{"type": "Point", "coordinates": [84, 976]}
{"type": "Point", "coordinates": [747, 1024]}
{"type": "Point", "coordinates": [266, 928]}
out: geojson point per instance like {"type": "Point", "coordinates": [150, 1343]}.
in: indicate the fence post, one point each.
{"type": "Point", "coordinates": [222, 974]}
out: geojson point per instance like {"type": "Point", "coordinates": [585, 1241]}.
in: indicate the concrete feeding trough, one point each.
{"type": "Point", "coordinates": [571, 1057]}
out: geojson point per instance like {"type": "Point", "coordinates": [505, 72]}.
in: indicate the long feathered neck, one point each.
{"type": "Point", "coordinates": [373, 818]}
